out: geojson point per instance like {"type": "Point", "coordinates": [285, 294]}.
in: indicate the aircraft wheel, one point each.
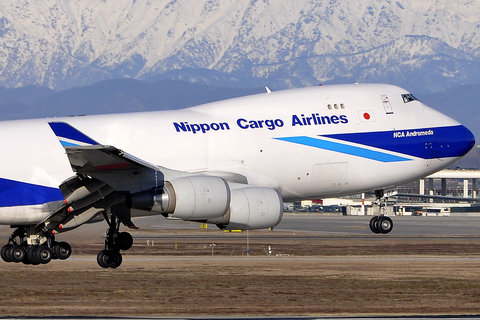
{"type": "Point", "coordinates": [109, 259]}
{"type": "Point", "coordinates": [43, 254]}
{"type": "Point", "coordinates": [373, 224]}
{"type": "Point", "coordinates": [115, 259]}
{"type": "Point", "coordinates": [5, 253]}
{"type": "Point", "coordinates": [26, 260]}
{"type": "Point", "coordinates": [384, 225]}
{"type": "Point", "coordinates": [17, 253]}
{"type": "Point", "coordinates": [124, 241]}
{"type": "Point", "coordinates": [62, 250]}
{"type": "Point", "coordinates": [30, 255]}
{"type": "Point", "coordinates": [102, 259]}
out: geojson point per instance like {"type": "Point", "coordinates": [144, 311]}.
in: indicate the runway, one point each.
{"type": "Point", "coordinates": [307, 224]}
{"type": "Point", "coordinates": [403, 225]}
{"type": "Point", "coordinates": [320, 225]}
{"type": "Point", "coordinates": [320, 265]}
{"type": "Point", "coordinates": [294, 227]}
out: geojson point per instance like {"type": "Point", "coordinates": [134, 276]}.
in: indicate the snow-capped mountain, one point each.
{"type": "Point", "coordinates": [428, 44]}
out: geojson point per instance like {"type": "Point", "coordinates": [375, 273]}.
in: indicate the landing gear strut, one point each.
{"type": "Point", "coordinates": [381, 223]}
{"type": "Point", "coordinates": [34, 245]}
{"type": "Point", "coordinates": [115, 241]}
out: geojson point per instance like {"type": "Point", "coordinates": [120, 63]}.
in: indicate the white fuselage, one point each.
{"type": "Point", "coordinates": [306, 143]}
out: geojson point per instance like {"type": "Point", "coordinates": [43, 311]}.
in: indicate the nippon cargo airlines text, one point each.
{"type": "Point", "coordinates": [270, 124]}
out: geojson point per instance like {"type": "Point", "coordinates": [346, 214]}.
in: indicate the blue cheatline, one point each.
{"type": "Point", "coordinates": [425, 143]}
{"type": "Point", "coordinates": [343, 148]}
{"type": "Point", "coordinates": [15, 193]}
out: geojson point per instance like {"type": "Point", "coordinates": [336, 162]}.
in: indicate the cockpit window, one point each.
{"type": "Point", "coordinates": [408, 97]}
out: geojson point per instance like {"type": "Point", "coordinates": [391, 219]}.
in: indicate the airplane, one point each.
{"type": "Point", "coordinates": [230, 163]}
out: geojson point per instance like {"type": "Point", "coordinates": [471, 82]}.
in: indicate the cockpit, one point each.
{"type": "Point", "coordinates": [408, 97]}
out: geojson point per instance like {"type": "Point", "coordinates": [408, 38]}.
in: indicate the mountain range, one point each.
{"type": "Point", "coordinates": [110, 96]}
{"type": "Point", "coordinates": [428, 45]}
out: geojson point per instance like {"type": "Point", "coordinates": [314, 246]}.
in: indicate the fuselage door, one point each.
{"type": "Point", "coordinates": [386, 104]}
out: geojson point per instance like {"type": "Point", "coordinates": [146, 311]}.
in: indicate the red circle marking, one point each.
{"type": "Point", "coordinates": [366, 116]}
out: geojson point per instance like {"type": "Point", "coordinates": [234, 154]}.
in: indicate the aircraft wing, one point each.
{"type": "Point", "coordinates": [105, 176]}
{"type": "Point", "coordinates": [110, 180]}
{"type": "Point", "coordinates": [118, 169]}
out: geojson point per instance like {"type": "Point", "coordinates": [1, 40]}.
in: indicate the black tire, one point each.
{"type": "Point", "coordinates": [124, 241]}
{"type": "Point", "coordinates": [384, 225]}
{"type": "Point", "coordinates": [62, 250]}
{"type": "Point", "coordinates": [31, 256]}
{"type": "Point", "coordinates": [17, 253]}
{"type": "Point", "coordinates": [5, 253]}
{"type": "Point", "coordinates": [26, 260]}
{"type": "Point", "coordinates": [115, 259]}
{"type": "Point", "coordinates": [43, 254]}
{"type": "Point", "coordinates": [102, 259]}
{"type": "Point", "coordinates": [109, 259]}
{"type": "Point", "coordinates": [373, 224]}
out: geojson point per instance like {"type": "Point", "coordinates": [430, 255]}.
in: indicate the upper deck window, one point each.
{"type": "Point", "coordinates": [408, 97]}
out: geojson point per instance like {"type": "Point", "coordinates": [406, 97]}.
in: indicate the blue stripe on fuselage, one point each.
{"type": "Point", "coordinates": [344, 148]}
{"type": "Point", "coordinates": [425, 143]}
{"type": "Point", "coordinates": [15, 193]}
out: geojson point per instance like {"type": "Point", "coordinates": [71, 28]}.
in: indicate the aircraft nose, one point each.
{"type": "Point", "coordinates": [459, 142]}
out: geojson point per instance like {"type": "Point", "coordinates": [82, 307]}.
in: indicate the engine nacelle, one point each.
{"type": "Point", "coordinates": [252, 208]}
{"type": "Point", "coordinates": [187, 198]}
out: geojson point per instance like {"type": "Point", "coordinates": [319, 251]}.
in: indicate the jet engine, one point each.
{"type": "Point", "coordinates": [187, 198]}
{"type": "Point", "coordinates": [212, 200]}
{"type": "Point", "coordinates": [252, 208]}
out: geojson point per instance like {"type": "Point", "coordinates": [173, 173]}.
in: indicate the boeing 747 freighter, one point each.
{"type": "Point", "coordinates": [230, 163]}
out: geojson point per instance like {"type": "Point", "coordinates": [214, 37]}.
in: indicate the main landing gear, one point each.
{"type": "Point", "coordinates": [381, 223]}
{"type": "Point", "coordinates": [115, 241]}
{"type": "Point", "coordinates": [34, 245]}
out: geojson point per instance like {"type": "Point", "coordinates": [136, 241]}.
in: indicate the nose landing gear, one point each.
{"type": "Point", "coordinates": [381, 223]}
